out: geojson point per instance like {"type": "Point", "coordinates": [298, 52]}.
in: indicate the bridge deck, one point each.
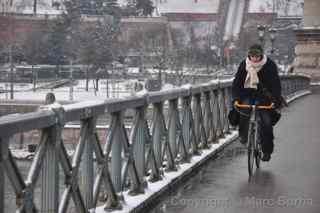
{"type": "Point", "coordinates": [288, 183]}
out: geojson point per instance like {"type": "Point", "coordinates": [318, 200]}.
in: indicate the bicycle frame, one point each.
{"type": "Point", "coordinates": [253, 146]}
{"type": "Point", "coordinates": [253, 122]}
{"type": "Point", "coordinates": [253, 142]}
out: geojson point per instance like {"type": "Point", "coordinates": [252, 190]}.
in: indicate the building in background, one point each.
{"type": "Point", "coordinates": [308, 41]}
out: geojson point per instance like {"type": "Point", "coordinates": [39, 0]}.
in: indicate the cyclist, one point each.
{"type": "Point", "coordinates": [257, 78]}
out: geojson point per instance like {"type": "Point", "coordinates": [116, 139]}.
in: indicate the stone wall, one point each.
{"type": "Point", "coordinates": [308, 59]}
{"type": "Point", "coordinates": [308, 41]}
{"type": "Point", "coordinates": [311, 16]}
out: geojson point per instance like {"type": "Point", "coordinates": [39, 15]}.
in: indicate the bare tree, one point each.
{"type": "Point", "coordinates": [177, 55]}
{"type": "Point", "coordinates": [99, 47]}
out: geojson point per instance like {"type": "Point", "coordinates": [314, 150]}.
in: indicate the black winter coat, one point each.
{"type": "Point", "coordinates": [268, 78]}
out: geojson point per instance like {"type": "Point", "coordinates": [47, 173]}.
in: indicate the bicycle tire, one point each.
{"type": "Point", "coordinates": [257, 148]}
{"type": "Point", "coordinates": [251, 149]}
{"type": "Point", "coordinates": [257, 157]}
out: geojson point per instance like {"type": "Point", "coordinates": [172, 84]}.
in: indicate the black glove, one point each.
{"type": "Point", "coordinates": [234, 100]}
{"type": "Point", "coordinates": [280, 102]}
{"type": "Point", "coordinates": [277, 104]}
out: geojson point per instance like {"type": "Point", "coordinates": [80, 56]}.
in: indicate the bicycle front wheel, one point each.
{"type": "Point", "coordinates": [251, 149]}
{"type": "Point", "coordinates": [257, 154]}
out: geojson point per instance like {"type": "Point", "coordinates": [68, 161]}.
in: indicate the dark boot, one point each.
{"type": "Point", "coordinates": [266, 157]}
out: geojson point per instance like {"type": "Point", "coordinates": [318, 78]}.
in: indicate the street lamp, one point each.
{"type": "Point", "coordinates": [69, 38]}
{"type": "Point", "coordinates": [9, 13]}
{"type": "Point", "coordinates": [261, 31]}
{"type": "Point", "coordinates": [272, 33]}
{"type": "Point", "coordinates": [231, 53]}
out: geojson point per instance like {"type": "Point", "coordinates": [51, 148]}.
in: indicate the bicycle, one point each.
{"type": "Point", "coordinates": [253, 140]}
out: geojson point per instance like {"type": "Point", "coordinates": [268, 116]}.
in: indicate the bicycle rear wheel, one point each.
{"type": "Point", "coordinates": [257, 155]}
{"type": "Point", "coordinates": [257, 151]}
{"type": "Point", "coordinates": [251, 149]}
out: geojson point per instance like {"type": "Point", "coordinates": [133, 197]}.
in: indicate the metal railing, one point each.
{"type": "Point", "coordinates": [184, 121]}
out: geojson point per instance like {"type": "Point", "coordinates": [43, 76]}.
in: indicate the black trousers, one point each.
{"type": "Point", "coordinates": [266, 129]}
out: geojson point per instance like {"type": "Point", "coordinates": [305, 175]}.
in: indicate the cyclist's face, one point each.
{"type": "Point", "coordinates": [255, 58]}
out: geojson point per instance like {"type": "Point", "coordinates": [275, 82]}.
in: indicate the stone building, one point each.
{"type": "Point", "coordinates": [308, 41]}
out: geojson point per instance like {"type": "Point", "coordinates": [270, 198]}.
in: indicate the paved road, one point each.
{"type": "Point", "coordinates": [290, 183]}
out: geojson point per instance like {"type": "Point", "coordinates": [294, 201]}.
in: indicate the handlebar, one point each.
{"type": "Point", "coordinates": [248, 106]}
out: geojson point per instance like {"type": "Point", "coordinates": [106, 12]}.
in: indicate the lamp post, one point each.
{"type": "Point", "coordinates": [71, 80]}
{"type": "Point", "coordinates": [215, 49]}
{"type": "Point", "coordinates": [232, 47]}
{"type": "Point", "coordinates": [11, 66]}
{"type": "Point", "coordinates": [69, 38]}
{"type": "Point", "coordinates": [261, 31]}
{"type": "Point", "coordinates": [10, 17]}
{"type": "Point", "coordinates": [272, 33]}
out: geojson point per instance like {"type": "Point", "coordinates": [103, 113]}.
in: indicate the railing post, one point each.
{"type": "Point", "coordinates": [283, 88]}
{"type": "Point", "coordinates": [50, 173]}
{"type": "Point", "coordinates": [186, 122]}
{"type": "Point", "coordinates": [287, 87]}
{"type": "Point", "coordinates": [172, 126]}
{"type": "Point", "coordinates": [116, 160]}
{"type": "Point", "coordinates": [230, 107]}
{"type": "Point", "coordinates": [215, 118]}
{"type": "Point", "coordinates": [217, 114]}
{"type": "Point", "coordinates": [50, 169]}
{"type": "Point", "coordinates": [138, 139]}
{"type": "Point", "coordinates": [86, 166]}
{"type": "Point", "coordinates": [208, 122]}
{"type": "Point", "coordinates": [156, 137]}
{"type": "Point", "coordinates": [197, 111]}
{"type": "Point", "coordinates": [226, 109]}
{"type": "Point", "coordinates": [221, 112]}
{"type": "Point", "coordinates": [3, 152]}
{"type": "Point", "coordinates": [201, 135]}
{"type": "Point", "coordinates": [104, 175]}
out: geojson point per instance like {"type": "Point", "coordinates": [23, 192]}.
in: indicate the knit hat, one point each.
{"type": "Point", "coordinates": [255, 49]}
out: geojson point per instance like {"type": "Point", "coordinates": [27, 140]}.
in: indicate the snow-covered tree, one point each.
{"type": "Point", "coordinates": [138, 8]}
{"type": "Point", "coordinates": [100, 7]}
{"type": "Point", "coordinates": [99, 47]}
{"type": "Point", "coordinates": [64, 35]}
{"type": "Point", "coordinates": [145, 7]}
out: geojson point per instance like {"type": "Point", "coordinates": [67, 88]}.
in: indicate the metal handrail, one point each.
{"type": "Point", "coordinates": [195, 118]}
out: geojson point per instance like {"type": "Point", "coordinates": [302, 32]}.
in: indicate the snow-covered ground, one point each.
{"type": "Point", "coordinates": [115, 90]}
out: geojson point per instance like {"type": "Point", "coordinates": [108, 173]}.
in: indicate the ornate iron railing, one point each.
{"type": "Point", "coordinates": [184, 121]}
